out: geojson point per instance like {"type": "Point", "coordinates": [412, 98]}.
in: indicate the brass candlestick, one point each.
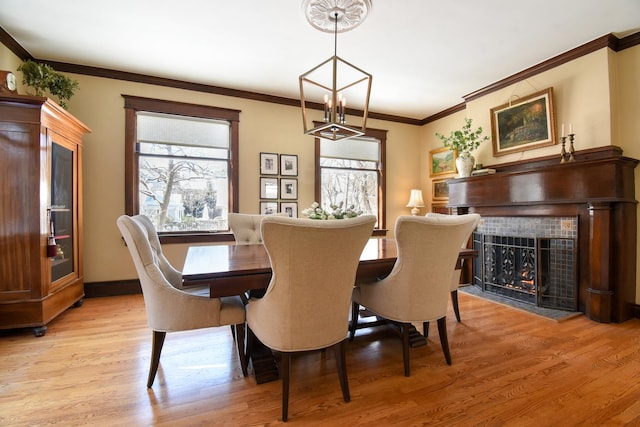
{"type": "Point", "coordinates": [563, 152]}
{"type": "Point", "coordinates": [571, 150]}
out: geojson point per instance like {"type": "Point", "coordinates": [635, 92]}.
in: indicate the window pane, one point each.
{"type": "Point", "coordinates": [354, 148]}
{"type": "Point", "coordinates": [181, 194]}
{"type": "Point", "coordinates": [181, 167]}
{"type": "Point", "coordinates": [347, 164]}
{"type": "Point", "coordinates": [350, 187]}
{"type": "Point", "coordinates": [170, 129]}
{"type": "Point", "coordinates": [182, 151]}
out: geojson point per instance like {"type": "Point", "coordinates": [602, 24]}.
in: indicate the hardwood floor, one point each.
{"type": "Point", "coordinates": [509, 368]}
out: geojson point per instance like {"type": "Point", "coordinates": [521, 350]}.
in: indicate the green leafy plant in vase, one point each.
{"type": "Point", "coordinates": [44, 79]}
{"type": "Point", "coordinates": [464, 141]}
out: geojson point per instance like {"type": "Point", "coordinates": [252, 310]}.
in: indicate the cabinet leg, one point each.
{"type": "Point", "coordinates": [39, 331]}
{"type": "Point", "coordinates": [78, 303]}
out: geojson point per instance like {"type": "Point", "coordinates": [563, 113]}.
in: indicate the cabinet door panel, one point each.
{"type": "Point", "coordinates": [62, 212]}
{"type": "Point", "coordinates": [19, 213]}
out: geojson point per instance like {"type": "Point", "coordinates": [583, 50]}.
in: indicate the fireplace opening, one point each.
{"type": "Point", "coordinates": [537, 270]}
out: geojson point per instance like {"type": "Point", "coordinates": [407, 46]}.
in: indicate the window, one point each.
{"type": "Point", "coordinates": [181, 166]}
{"type": "Point", "coordinates": [352, 172]}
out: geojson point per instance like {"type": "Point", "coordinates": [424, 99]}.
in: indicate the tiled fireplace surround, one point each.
{"type": "Point", "coordinates": [596, 191]}
{"type": "Point", "coordinates": [528, 259]}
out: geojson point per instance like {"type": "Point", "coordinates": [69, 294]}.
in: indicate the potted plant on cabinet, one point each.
{"type": "Point", "coordinates": [464, 141]}
{"type": "Point", "coordinates": [43, 78]}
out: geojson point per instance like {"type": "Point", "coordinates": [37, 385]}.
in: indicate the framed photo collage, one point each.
{"type": "Point", "coordinates": [278, 184]}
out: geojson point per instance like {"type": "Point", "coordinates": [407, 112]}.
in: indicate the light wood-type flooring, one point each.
{"type": "Point", "coordinates": [510, 368]}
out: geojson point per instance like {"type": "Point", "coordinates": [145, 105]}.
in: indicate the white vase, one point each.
{"type": "Point", "coordinates": [464, 163]}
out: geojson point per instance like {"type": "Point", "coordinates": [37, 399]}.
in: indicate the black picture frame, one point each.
{"type": "Point", "coordinates": [268, 164]}
{"type": "Point", "coordinates": [268, 188]}
{"type": "Point", "coordinates": [290, 208]}
{"type": "Point", "coordinates": [288, 188]}
{"type": "Point", "coordinates": [288, 165]}
{"type": "Point", "coordinates": [268, 208]}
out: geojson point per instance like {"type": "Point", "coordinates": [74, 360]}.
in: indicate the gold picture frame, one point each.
{"type": "Point", "coordinates": [440, 208]}
{"type": "Point", "coordinates": [439, 190]}
{"type": "Point", "coordinates": [524, 125]}
{"type": "Point", "coordinates": [442, 161]}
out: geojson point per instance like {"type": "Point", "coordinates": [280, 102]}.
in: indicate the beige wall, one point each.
{"type": "Point", "coordinates": [597, 93]}
{"type": "Point", "coordinates": [263, 128]}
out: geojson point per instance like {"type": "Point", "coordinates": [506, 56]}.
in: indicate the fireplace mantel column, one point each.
{"type": "Point", "coordinates": [600, 293]}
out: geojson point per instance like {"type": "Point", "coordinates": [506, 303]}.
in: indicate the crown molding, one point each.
{"type": "Point", "coordinates": [609, 40]}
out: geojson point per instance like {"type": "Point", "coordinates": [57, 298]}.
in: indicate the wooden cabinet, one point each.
{"type": "Point", "coordinates": [40, 202]}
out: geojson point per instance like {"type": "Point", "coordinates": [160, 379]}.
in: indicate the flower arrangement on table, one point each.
{"type": "Point", "coordinates": [334, 212]}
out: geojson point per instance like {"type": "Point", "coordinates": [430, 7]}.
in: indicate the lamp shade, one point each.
{"type": "Point", "coordinates": [415, 201]}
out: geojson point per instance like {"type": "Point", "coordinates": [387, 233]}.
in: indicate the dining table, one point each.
{"type": "Point", "coordinates": [230, 269]}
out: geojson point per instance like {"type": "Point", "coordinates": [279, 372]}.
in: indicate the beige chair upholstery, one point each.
{"type": "Point", "coordinates": [455, 280]}
{"type": "Point", "coordinates": [306, 306]}
{"type": "Point", "coordinates": [169, 308]}
{"type": "Point", "coordinates": [246, 227]}
{"type": "Point", "coordinates": [418, 286]}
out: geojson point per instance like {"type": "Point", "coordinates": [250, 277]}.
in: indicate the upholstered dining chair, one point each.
{"type": "Point", "coordinates": [306, 306]}
{"type": "Point", "coordinates": [168, 307]}
{"type": "Point", "coordinates": [246, 227]}
{"type": "Point", "coordinates": [455, 280]}
{"type": "Point", "coordinates": [418, 287]}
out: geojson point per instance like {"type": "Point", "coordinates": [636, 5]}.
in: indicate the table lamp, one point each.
{"type": "Point", "coordinates": [415, 201]}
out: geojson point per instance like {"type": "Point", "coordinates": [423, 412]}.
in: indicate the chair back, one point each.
{"type": "Point", "coordinates": [455, 280]}
{"type": "Point", "coordinates": [314, 263]}
{"type": "Point", "coordinates": [428, 249]}
{"type": "Point", "coordinates": [246, 227]}
{"type": "Point", "coordinates": [160, 295]}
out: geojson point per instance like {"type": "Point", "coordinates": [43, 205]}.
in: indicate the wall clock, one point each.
{"type": "Point", "coordinates": [8, 82]}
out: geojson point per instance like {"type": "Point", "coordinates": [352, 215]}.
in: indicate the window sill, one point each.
{"type": "Point", "coordinates": [196, 238]}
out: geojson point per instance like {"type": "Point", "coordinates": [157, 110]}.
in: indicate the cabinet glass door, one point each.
{"type": "Point", "coordinates": [62, 210]}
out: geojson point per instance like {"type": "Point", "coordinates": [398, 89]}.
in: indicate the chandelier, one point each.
{"type": "Point", "coordinates": [329, 85]}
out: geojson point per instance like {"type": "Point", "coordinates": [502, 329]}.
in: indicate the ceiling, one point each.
{"type": "Point", "coordinates": [424, 55]}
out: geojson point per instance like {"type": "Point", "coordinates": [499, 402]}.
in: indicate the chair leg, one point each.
{"type": "Point", "coordinates": [156, 349]}
{"type": "Point", "coordinates": [454, 302]}
{"type": "Point", "coordinates": [286, 372]}
{"type": "Point", "coordinates": [442, 330]}
{"type": "Point", "coordinates": [425, 329]}
{"type": "Point", "coordinates": [341, 365]}
{"type": "Point", "coordinates": [242, 353]}
{"type": "Point", "coordinates": [250, 344]}
{"type": "Point", "coordinates": [405, 348]}
{"type": "Point", "coordinates": [355, 312]}
{"type": "Point", "coordinates": [233, 331]}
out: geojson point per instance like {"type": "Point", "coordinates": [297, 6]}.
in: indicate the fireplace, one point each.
{"type": "Point", "coordinates": [597, 191]}
{"type": "Point", "coordinates": [528, 259]}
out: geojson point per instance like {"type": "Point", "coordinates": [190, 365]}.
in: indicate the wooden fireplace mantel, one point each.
{"type": "Point", "coordinates": [599, 189]}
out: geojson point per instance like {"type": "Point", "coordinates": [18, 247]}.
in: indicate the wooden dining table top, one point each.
{"type": "Point", "coordinates": [227, 268]}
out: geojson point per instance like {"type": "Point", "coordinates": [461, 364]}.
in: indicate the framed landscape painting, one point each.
{"type": "Point", "coordinates": [440, 190]}
{"type": "Point", "coordinates": [440, 208]}
{"type": "Point", "coordinates": [442, 161]}
{"type": "Point", "coordinates": [526, 124]}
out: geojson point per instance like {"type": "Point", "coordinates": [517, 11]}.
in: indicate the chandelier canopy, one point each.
{"type": "Point", "coordinates": [330, 84]}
